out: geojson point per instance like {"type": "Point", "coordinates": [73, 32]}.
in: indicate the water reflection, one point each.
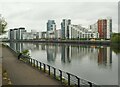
{"type": "Point", "coordinates": [116, 48]}
{"type": "Point", "coordinates": [101, 55]}
{"type": "Point", "coordinates": [51, 53]}
{"type": "Point", "coordinates": [65, 54]}
{"type": "Point", "coordinates": [105, 56]}
{"type": "Point", "coordinates": [95, 63]}
{"type": "Point", "coordinates": [17, 46]}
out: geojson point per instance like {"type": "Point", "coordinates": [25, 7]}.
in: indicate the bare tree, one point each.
{"type": "Point", "coordinates": [3, 25]}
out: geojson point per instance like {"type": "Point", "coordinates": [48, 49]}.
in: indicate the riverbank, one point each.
{"type": "Point", "coordinates": [21, 73]}
{"type": "Point", "coordinates": [97, 42]}
{"type": "Point", "coordinates": [62, 76]}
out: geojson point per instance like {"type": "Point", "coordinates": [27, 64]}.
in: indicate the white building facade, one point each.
{"type": "Point", "coordinates": [51, 27]}
{"type": "Point", "coordinates": [16, 34]}
{"type": "Point", "coordinates": [58, 34]}
{"type": "Point", "coordinates": [94, 30]}
{"type": "Point", "coordinates": [65, 28]}
{"type": "Point", "coordinates": [77, 31]}
{"type": "Point", "coordinates": [109, 28]}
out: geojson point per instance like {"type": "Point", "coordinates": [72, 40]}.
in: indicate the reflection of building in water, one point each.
{"type": "Point", "coordinates": [37, 46]}
{"type": "Point", "coordinates": [17, 46]}
{"type": "Point", "coordinates": [94, 54]}
{"type": "Point", "coordinates": [51, 53]}
{"type": "Point", "coordinates": [105, 56]}
{"type": "Point", "coordinates": [101, 55]}
{"type": "Point", "coordinates": [11, 45]}
{"type": "Point", "coordinates": [31, 46]}
{"type": "Point", "coordinates": [43, 47]}
{"type": "Point", "coordinates": [69, 52]}
{"type": "Point", "coordinates": [81, 51]}
{"type": "Point", "coordinates": [66, 53]}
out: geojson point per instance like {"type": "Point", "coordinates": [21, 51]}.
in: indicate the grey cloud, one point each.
{"type": "Point", "coordinates": [35, 15]}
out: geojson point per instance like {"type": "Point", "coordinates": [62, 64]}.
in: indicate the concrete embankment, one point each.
{"type": "Point", "coordinates": [97, 42]}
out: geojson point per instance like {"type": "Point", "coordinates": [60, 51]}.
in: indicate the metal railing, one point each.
{"type": "Point", "coordinates": [64, 77]}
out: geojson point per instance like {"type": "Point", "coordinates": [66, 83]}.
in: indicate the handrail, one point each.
{"type": "Point", "coordinates": [52, 71]}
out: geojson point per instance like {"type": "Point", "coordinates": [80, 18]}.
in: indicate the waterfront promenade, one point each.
{"type": "Point", "coordinates": [23, 74]}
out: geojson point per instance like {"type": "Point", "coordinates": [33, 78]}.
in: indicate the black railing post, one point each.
{"type": "Point", "coordinates": [31, 61]}
{"type": "Point", "coordinates": [90, 84]}
{"type": "Point", "coordinates": [48, 69]}
{"type": "Point", "coordinates": [78, 79]}
{"type": "Point", "coordinates": [60, 75]}
{"type": "Point", "coordinates": [34, 62]}
{"type": "Point", "coordinates": [37, 63]}
{"type": "Point", "coordinates": [68, 79]}
{"type": "Point", "coordinates": [40, 65]}
{"type": "Point", "coordinates": [54, 72]}
{"type": "Point", "coordinates": [44, 67]}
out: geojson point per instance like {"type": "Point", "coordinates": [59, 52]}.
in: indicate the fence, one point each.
{"type": "Point", "coordinates": [64, 77]}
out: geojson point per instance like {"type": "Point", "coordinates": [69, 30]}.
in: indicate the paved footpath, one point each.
{"type": "Point", "coordinates": [23, 74]}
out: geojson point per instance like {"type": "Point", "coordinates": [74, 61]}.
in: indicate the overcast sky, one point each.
{"type": "Point", "coordinates": [34, 15]}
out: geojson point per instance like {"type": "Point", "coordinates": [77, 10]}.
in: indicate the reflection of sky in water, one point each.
{"type": "Point", "coordinates": [97, 64]}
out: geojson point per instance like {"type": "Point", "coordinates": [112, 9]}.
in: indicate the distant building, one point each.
{"type": "Point", "coordinates": [58, 34]}
{"type": "Point", "coordinates": [21, 31]}
{"type": "Point", "coordinates": [31, 35]}
{"type": "Point", "coordinates": [43, 35]}
{"type": "Point", "coordinates": [65, 28]}
{"type": "Point", "coordinates": [27, 36]}
{"type": "Point", "coordinates": [11, 34]}
{"type": "Point", "coordinates": [38, 35]}
{"type": "Point", "coordinates": [109, 27]}
{"type": "Point", "coordinates": [94, 30]}
{"type": "Point", "coordinates": [104, 28]}
{"type": "Point", "coordinates": [51, 27]}
{"type": "Point", "coordinates": [16, 33]}
{"type": "Point", "coordinates": [94, 27]}
{"type": "Point", "coordinates": [77, 31]}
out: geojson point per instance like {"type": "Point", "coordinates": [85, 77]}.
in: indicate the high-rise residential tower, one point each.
{"type": "Point", "coordinates": [104, 28]}
{"type": "Point", "coordinates": [109, 28]}
{"type": "Point", "coordinates": [65, 28]}
{"type": "Point", "coordinates": [51, 27]}
{"type": "Point", "coordinates": [16, 33]}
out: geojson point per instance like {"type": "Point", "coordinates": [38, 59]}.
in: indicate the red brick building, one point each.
{"type": "Point", "coordinates": [102, 28]}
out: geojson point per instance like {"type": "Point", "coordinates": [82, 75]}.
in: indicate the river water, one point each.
{"type": "Point", "coordinates": [98, 64]}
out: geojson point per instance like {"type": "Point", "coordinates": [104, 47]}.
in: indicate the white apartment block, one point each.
{"type": "Point", "coordinates": [94, 30]}
{"type": "Point", "coordinates": [77, 31]}
{"type": "Point", "coordinates": [109, 27]}
{"type": "Point", "coordinates": [58, 34]}
{"type": "Point", "coordinates": [31, 35]}
{"type": "Point", "coordinates": [51, 27]}
{"type": "Point", "coordinates": [16, 34]}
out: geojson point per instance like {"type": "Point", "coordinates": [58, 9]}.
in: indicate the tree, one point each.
{"type": "Point", "coordinates": [26, 52]}
{"type": "Point", "coordinates": [3, 25]}
{"type": "Point", "coordinates": [115, 38]}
